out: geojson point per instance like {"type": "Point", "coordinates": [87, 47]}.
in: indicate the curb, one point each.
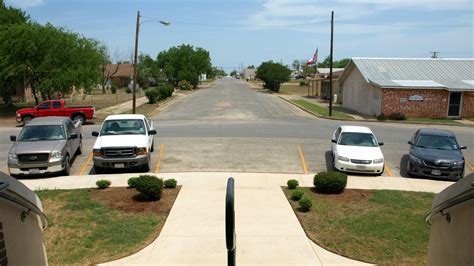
{"type": "Point", "coordinates": [373, 121]}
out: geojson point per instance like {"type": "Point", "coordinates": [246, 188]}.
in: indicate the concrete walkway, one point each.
{"type": "Point", "coordinates": [268, 231]}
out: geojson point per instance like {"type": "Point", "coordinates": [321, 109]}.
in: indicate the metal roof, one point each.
{"type": "Point", "coordinates": [446, 73]}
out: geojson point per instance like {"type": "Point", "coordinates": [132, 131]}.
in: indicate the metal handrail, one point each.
{"type": "Point", "coordinates": [450, 203]}
{"type": "Point", "coordinates": [23, 203]}
{"type": "Point", "coordinates": [230, 223]}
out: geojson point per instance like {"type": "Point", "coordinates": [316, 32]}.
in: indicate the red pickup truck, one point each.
{"type": "Point", "coordinates": [55, 108]}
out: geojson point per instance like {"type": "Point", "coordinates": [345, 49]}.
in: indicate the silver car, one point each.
{"type": "Point", "coordinates": [45, 145]}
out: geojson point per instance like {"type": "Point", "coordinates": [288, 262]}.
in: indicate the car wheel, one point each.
{"type": "Point", "coordinates": [409, 174]}
{"type": "Point", "coordinates": [27, 119]}
{"type": "Point", "coordinates": [146, 167]}
{"type": "Point", "coordinates": [67, 166]}
{"type": "Point", "coordinates": [334, 164]}
{"type": "Point", "coordinates": [98, 169]}
{"type": "Point", "coordinates": [79, 149]}
{"type": "Point", "coordinates": [81, 118]}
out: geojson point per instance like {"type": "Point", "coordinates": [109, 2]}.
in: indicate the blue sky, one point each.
{"type": "Point", "coordinates": [250, 32]}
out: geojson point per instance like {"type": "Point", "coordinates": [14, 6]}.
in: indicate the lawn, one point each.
{"type": "Point", "coordinates": [90, 226]}
{"type": "Point", "coordinates": [377, 226]}
{"type": "Point", "coordinates": [294, 89]}
{"type": "Point", "coordinates": [100, 100]}
{"type": "Point", "coordinates": [321, 111]}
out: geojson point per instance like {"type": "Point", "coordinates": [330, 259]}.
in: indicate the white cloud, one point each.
{"type": "Point", "coordinates": [24, 3]}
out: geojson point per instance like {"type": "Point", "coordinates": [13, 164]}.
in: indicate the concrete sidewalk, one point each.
{"type": "Point", "coordinates": [268, 231]}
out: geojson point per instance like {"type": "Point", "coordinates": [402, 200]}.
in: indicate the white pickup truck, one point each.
{"type": "Point", "coordinates": [124, 141]}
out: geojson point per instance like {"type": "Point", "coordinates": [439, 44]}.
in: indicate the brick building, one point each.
{"type": "Point", "coordinates": [415, 87]}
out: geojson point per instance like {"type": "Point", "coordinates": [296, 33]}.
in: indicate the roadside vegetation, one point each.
{"type": "Point", "coordinates": [321, 111]}
{"type": "Point", "coordinates": [90, 226]}
{"type": "Point", "coordinates": [273, 75]}
{"type": "Point", "coordinates": [377, 226]}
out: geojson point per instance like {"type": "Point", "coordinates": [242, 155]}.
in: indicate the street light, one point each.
{"type": "Point", "coordinates": [135, 63]}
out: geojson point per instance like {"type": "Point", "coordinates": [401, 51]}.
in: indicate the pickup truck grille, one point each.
{"type": "Point", "coordinates": [361, 161]}
{"type": "Point", "coordinates": [120, 152]}
{"type": "Point", "coordinates": [33, 158]}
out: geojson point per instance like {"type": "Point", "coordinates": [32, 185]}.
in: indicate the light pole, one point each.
{"type": "Point", "coordinates": [135, 60]}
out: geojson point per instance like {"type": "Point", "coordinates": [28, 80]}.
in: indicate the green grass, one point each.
{"type": "Point", "coordinates": [83, 231]}
{"type": "Point", "coordinates": [380, 226]}
{"type": "Point", "coordinates": [447, 121]}
{"type": "Point", "coordinates": [294, 89]}
{"type": "Point", "coordinates": [322, 111]}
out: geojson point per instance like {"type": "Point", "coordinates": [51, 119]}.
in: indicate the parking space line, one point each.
{"type": "Point", "coordinates": [84, 167]}
{"type": "Point", "coordinates": [158, 163]}
{"type": "Point", "coordinates": [387, 169]}
{"type": "Point", "coordinates": [470, 165]}
{"type": "Point", "coordinates": [303, 162]}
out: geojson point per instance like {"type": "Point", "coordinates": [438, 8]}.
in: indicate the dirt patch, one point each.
{"type": "Point", "coordinates": [349, 195]}
{"type": "Point", "coordinates": [129, 200]}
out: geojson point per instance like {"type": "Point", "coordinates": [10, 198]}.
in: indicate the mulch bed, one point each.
{"type": "Point", "coordinates": [130, 200]}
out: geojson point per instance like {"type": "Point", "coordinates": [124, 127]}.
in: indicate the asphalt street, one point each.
{"type": "Point", "coordinates": [233, 128]}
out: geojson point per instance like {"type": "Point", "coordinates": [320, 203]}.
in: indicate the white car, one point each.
{"type": "Point", "coordinates": [124, 141]}
{"type": "Point", "coordinates": [355, 149]}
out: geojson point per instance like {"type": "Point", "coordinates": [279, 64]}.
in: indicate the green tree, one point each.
{"type": "Point", "coordinates": [273, 74]}
{"type": "Point", "coordinates": [335, 64]}
{"type": "Point", "coordinates": [184, 63]}
{"type": "Point", "coordinates": [296, 65]}
{"type": "Point", "coordinates": [147, 70]}
{"type": "Point", "coordinates": [233, 73]}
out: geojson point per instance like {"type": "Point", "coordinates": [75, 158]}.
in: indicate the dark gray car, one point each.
{"type": "Point", "coordinates": [435, 153]}
{"type": "Point", "coordinates": [46, 145]}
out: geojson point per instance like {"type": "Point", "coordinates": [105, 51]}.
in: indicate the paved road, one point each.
{"type": "Point", "coordinates": [233, 128]}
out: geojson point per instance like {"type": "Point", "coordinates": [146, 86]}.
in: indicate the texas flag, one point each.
{"type": "Point", "coordinates": [314, 59]}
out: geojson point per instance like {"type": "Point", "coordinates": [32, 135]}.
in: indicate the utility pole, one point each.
{"type": "Point", "coordinates": [135, 65]}
{"type": "Point", "coordinates": [330, 64]}
{"type": "Point", "coordinates": [434, 54]}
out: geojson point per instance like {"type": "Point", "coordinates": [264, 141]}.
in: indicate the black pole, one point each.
{"type": "Point", "coordinates": [230, 222]}
{"type": "Point", "coordinates": [330, 64]}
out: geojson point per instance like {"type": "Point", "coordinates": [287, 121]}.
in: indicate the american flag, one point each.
{"type": "Point", "coordinates": [313, 59]}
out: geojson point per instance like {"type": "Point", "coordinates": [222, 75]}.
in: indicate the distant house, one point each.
{"type": "Point", "coordinates": [322, 83]}
{"type": "Point", "coordinates": [122, 74]}
{"type": "Point", "coordinates": [415, 87]}
{"type": "Point", "coordinates": [249, 73]}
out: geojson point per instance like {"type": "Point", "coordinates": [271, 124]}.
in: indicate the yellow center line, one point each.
{"type": "Point", "coordinates": [303, 163]}
{"type": "Point", "coordinates": [158, 163]}
{"type": "Point", "coordinates": [388, 171]}
{"type": "Point", "coordinates": [470, 165]}
{"type": "Point", "coordinates": [84, 167]}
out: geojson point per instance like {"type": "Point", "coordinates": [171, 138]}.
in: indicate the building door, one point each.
{"type": "Point", "coordinates": [454, 109]}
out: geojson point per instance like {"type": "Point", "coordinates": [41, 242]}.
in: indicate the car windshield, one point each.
{"type": "Point", "coordinates": [123, 127]}
{"type": "Point", "coordinates": [358, 139]}
{"type": "Point", "coordinates": [35, 133]}
{"type": "Point", "coordinates": [437, 142]}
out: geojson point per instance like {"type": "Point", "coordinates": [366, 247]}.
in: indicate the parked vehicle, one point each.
{"type": "Point", "coordinates": [45, 145]}
{"type": "Point", "coordinates": [356, 149]}
{"type": "Point", "coordinates": [55, 108]}
{"type": "Point", "coordinates": [124, 141]}
{"type": "Point", "coordinates": [435, 153]}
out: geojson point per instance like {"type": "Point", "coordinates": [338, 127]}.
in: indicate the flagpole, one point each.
{"type": "Point", "coordinates": [330, 64]}
{"type": "Point", "coordinates": [316, 69]}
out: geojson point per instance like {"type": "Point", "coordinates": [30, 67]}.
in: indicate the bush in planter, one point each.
{"type": "Point", "coordinates": [113, 89]}
{"type": "Point", "coordinates": [170, 183]}
{"type": "Point", "coordinates": [296, 194]}
{"type": "Point", "coordinates": [305, 204]}
{"type": "Point", "coordinates": [132, 181]}
{"type": "Point", "coordinates": [292, 183]}
{"type": "Point", "coordinates": [396, 116]}
{"type": "Point", "coordinates": [150, 186]}
{"type": "Point", "coordinates": [332, 182]}
{"type": "Point", "coordinates": [382, 117]}
{"type": "Point", "coordinates": [102, 184]}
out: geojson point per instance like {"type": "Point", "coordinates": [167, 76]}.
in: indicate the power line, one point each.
{"type": "Point", "coordinates": [406, 25]}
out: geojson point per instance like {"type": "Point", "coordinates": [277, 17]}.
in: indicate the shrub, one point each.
{"type": "Point", "coordinates": [170, 183]}
{"type": "Point", "coordinates": [128, 90]}
{"type": "Point", "coordinates": [101, 184]}
{"type": "Point", "coordinates": [396, 116]}
{"type": "Point", "coordinates": [304, 83]}
{"type": "Point", "coordinates": [382, 117]}
{"type": "Point", "coordinates": [297, 194]}
{"type": "Point", "coordinates": [292, 183]}
{"type": "Point", "coordinates": [132, 182]}
{"type": "Point", "coordinates": [273, 74]}
{"type": "Point", "coordinates": [331, 182]}
{"type": "Point", "coordinates": [305, 204]}
{"type": "Point", "coordinates": [185, 85]}
{"type": "Point", "coordinates": [113, 89]}
{"type": "Point", "coordinates": [153, 95]}
{"type": "Point", "coordinates": [150, 186]}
